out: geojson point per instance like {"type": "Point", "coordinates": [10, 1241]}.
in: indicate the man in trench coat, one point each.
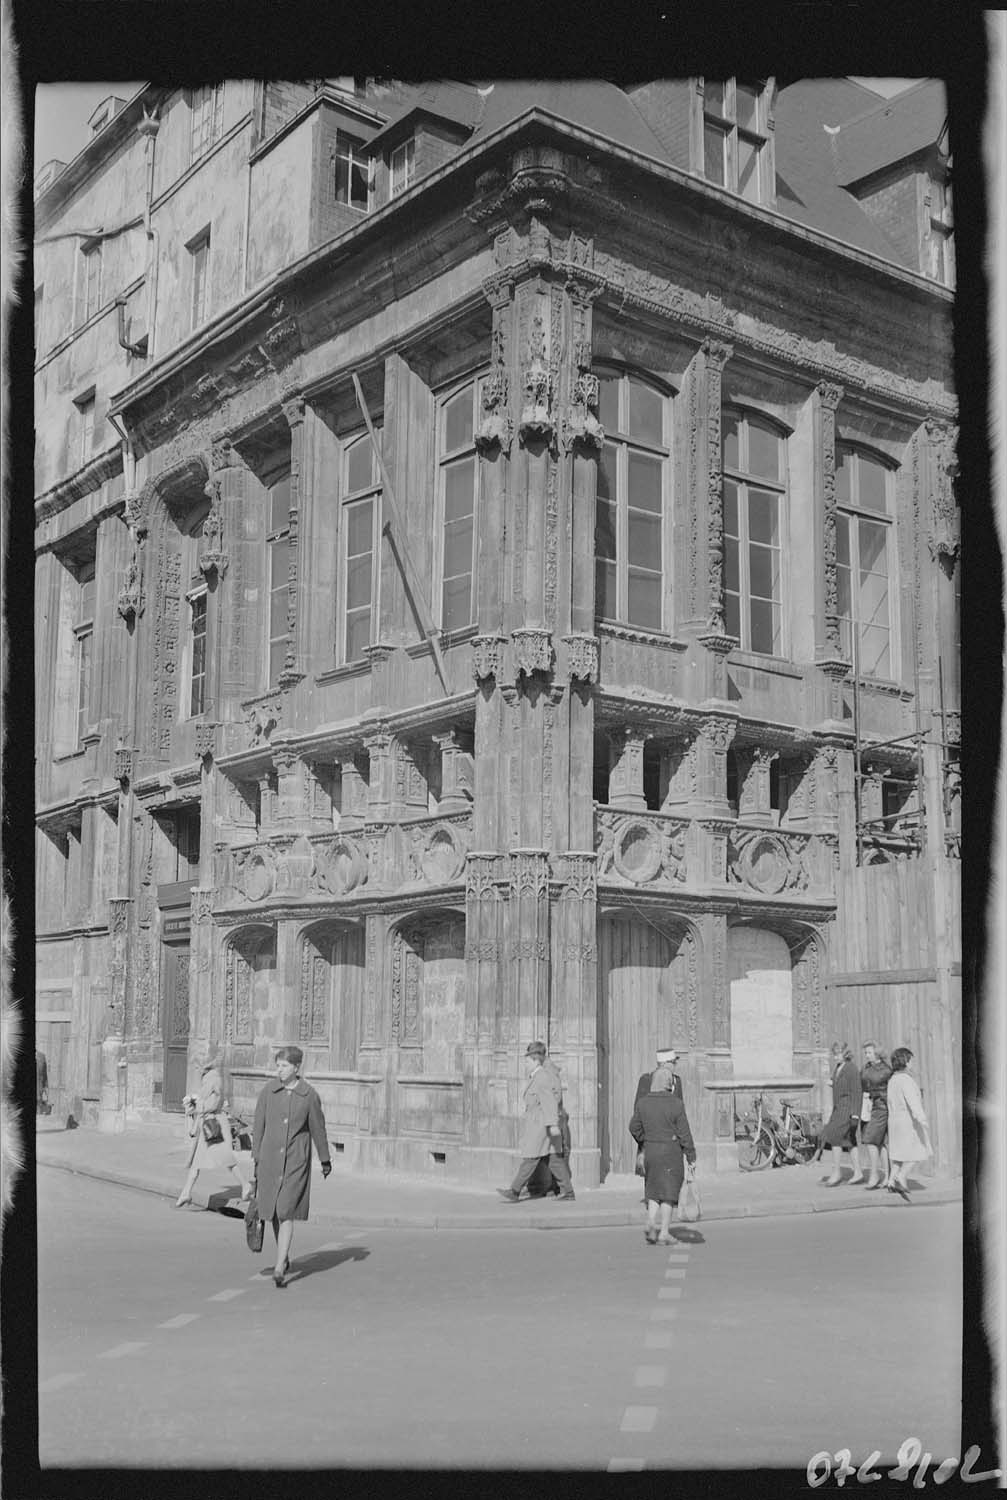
{"type": "Point", "coordinates": [540, 1131]}
{"type": "Point", "coordinates": [555, 1176]}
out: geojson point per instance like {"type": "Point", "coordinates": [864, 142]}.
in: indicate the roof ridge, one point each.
{"type": "Point", "coordinates": [885, 106]}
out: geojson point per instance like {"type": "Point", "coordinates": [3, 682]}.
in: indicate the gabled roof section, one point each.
{"type": "Point", "coordinates": [807, 185]}
{"type": "Point", "coordinates": [898, 128]}
{"type": "Point", "coordinates": [455, 102]}
{"type": "Point", "coordinates": [595, 106]}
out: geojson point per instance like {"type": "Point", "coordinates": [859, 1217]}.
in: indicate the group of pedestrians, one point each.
{"type": "Point", "coordinates": [877, 1108]}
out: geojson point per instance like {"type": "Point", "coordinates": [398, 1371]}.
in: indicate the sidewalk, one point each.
{"type": "Point", "coordinates": [154, 1160]}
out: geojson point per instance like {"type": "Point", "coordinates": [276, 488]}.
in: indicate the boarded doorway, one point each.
{"type": "Point", "coordinates": [762, 1037]}
{"type": "Point", "coordinates": [640, 998]}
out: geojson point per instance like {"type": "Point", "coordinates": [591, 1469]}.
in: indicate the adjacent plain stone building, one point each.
{"type": "Point", "coordinates": [459, 510]}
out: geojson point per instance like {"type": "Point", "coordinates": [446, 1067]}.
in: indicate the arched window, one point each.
{"type": "Point", "coordinates": [864, 557]}
{"type": "Point", "coordinates": [360, 528]}
{"type": "Point", "coordinates": [755, 492]}
{"type": "Point", "coordinates": [458, 499]}
{"type": "Point", "coordinates": [630, 534]}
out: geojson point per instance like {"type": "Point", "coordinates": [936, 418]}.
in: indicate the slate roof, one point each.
{"type": "Point", "coordinates": [448, 101]}
{"type": "Point", "coordinates": [895, 129]}
{"type": "Point", "coordinates": [596, 106]}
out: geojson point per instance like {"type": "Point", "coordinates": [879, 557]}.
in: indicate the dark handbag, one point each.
{"type": "Point", "coordinates": [212, 1133]}
{"type": "Point", "coordinates": [254, 1228]}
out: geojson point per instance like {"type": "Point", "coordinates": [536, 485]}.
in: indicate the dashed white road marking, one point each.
{"type": "Point", "coordinates": [658, 1338]}
{"type": "Point", "coordinates": [669, 1291]}
{"type": "Point", "coordinates": [624, 1465]}
{"type": "Point", "coordinates": [227, 1295]}
{"type": "Point", "coordinates": [649, 1375]}
{"type": "Point", "coordinates": [121, 1350]}
{"type": "Point", "coordinates": [335, 1245]}
{"type": "Point", "coordinates": [678, 1258]}
{"type": "Point", "coordinates": [638, 1419]}
{"type": "Point", "coordinates": [674, 1273]}
{"type": "Point", "coordinates": [663, 1314]}
{"type": "Point", "coordinates": [57, 1382]}
{"type": "Point", "coordinates": [180, 1321]}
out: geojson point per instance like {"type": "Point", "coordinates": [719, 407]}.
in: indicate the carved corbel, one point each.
{"type": "Point", "coordinates": [582, 656]}
{"type": "Point", "coordinates": [213, 558]}
{"type": "Point", "coordinates": [945, 528]}
{"type": "Point", "coordinates": [204, 740]}
{"type": "Point", "coordinates": [131, 601]}
{"type": "Point", "coordinates": [532, 651]}
{"type": "Point", "coordinates": [487, 656]}
{"type": "Point", "coordinates": [125, 762]}
{"type": "Point", "coordinates": [536, 383]}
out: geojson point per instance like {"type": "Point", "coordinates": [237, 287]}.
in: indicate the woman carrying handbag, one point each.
{"type": "Point", "coordinates": [212, 1147]}
{"type": "Point", "coordinates": [288, 1118]}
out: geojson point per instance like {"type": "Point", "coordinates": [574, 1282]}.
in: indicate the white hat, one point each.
{"type": "Point", "coordinates": [667, 1055]}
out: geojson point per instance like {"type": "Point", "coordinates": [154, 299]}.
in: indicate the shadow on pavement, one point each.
{"type": "Point", "coordinates": [687, 1236]}
{"type": "Point", "coordinates": [325, 1260]}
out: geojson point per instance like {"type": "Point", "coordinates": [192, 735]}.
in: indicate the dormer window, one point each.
{"type": "Point", "coordinates": [940, 246]}
{"type": "Point", "coordinates": [401, 163]}
{"type": "Point", "coordinates": [734, 148]}
{"type": "Point", "coordinates": [352, 173]}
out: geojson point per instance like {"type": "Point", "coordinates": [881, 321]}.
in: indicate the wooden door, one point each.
{"type": "Point", "coordinates": [762, 1039]}
{"type": "Point", "coordinates": [443, 1003]}
{"type": "Point", "coordinates": [175, 1020]}
{"type": "Point", "coordinates": [634, 1018]}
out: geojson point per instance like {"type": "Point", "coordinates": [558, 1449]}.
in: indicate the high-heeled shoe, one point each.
{"type": "Point", "coordinates": [873, 1185]}
{"type": "Point", "coordinates": [857, 1177]}
{"type": "Point", "coordinates": [279, 1276]}
{"type": "Point", "coordinates": [181, 1202]}
{"type": "Point", "coordinates": [650, 1235]}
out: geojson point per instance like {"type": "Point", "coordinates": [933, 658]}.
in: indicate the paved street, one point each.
{"type": "Point", "coordinates": [753, 1342]}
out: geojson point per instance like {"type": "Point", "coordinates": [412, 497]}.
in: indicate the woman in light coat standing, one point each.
{"type": "Point", "coordinates": [908, 1131]}
{"type": "Point", "coordinates": [208, 1105]}
{"type": "Point", "coordinates": [288, 1117]}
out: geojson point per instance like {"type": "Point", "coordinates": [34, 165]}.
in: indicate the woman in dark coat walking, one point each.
{"type": "Point", "coordinates": [874, 1077]}
{"type": "Point", "coordinates": [288, 1117]}
{"type": "Point", "coordinates": [841, 1129]}
{"type": "Point", "coordinates": [661, 1128]}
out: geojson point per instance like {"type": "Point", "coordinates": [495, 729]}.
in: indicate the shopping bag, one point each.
{"type": "Point", "coordinates": [212, 1133]}
{"type": "Point", "coordinates": [640, 1169]}
{"type": "Point", "coordinates": [865, 1108]}
{"type": "Point", "coordinates": [690, 1210]}
{"type": "Point", "coordinates": [254, 1228]}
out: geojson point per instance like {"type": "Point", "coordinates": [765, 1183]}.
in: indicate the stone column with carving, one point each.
{"type": "Point", "coordinates": [714, 822]}
{"type": "Point", "coordinates": [944, 644]}
{"type": "Point", "coordinates": [714, 1126]}
{"type": "Point", "coordinates": [527, 973]}
{"type": "Point", "coordinates": [353, 793]}
{"type": "Point", "coordinates": [625, 774]}
{"type": "Point", "coordinates": [294, 791]}
{"type": "Point", "coordinates": [241, 539]}
{"type": "Point", "coordinates": [112, 1105]}
{"type": "Point", "coordinates": [702, 560]}
{"type": "Point", "coordinates": [572, 1038]}
{"type": "Point", "coordinates": [295, 665]}
{"type": "Point", "coordinates": [489, 1029]}
{"type": "Point", "coordinates": [830, 654]}
{"type": "Point", "coordinates": [457, 778]}
{"type": "Point", "coordinates": [754, 762]}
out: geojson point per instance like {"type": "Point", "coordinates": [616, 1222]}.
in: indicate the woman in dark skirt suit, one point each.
{"type": "Point", "coordinates": [288, 1117]}
{"type": "Point", "coordinates": [661, 1128]}
{"type": "Point", "coordinates": [841, 1129]}
{"type": "Point", "coordinates": [874, 1076]}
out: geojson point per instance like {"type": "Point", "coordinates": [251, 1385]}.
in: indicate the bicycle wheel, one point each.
{"type": "Point", "coordinates": [754, 1155]}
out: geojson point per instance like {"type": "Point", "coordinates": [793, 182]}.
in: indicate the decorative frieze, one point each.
{"type": "Point", "coordinates": [341, 865]}
{"type": "Point", "coordinates": [201, 905]}
{"type": "Point", "coordinates": [641, 850]}
{"type": "Point", "coordinates": [774, 863]}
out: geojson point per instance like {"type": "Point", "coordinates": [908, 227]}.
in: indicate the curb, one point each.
{"type": "Point", "coordinates": [602, 1218]}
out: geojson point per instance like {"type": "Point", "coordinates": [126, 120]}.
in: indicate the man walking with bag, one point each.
{"type": "Point", "coordinates": [555, 1177]}
{"type": "Point", "coordinates": [540, 1134]}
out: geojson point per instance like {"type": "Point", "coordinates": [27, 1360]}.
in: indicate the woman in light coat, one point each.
{"type": "Point", "coordinates": [908, 1132]}
{"type": "Point", "coordinates": [288, 1117]}
{"type": "Point", "coordinates": [209, 1105]}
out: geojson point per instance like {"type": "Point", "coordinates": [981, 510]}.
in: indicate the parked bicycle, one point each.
{"type": "Point", "coordinates": [772, 1142]}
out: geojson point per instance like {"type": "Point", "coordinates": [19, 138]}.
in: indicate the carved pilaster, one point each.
{"type": "Point", "coordinates": [212, 557]}
{"type": "Point", "coordinates": [537, 391]}
{"type": "Point", "coordinates": [130, 604]}
{"type": "Point", "coordinates": [457, 771]}
{"type": "Point", "coordinates": [827, 399]}
{"type": "Point", "coordinates": [574, 913]}
{"type": "Point", "coordinates": [719, 982]}
{"type": "Point", "coordinates": [528, 949]}
{"type": "Point", "coordinates": [715, 737]}
{"type": "Point", "coordinates": [944, 536]}
{"type": "Point", "coordinates": [715, 357]}
{"type": "Point", "coordinates": [353, 790]}
{"type": "Point", "coordinates": [753, 790]}
{"type": "Point", "coordinates": [581, 424]}
{"type": "Point", "coordinates": [293, 410]}
{"type": "Point", "coordinates": [496, 427]}
{"type": "Point", "coordinates": [486, 885]}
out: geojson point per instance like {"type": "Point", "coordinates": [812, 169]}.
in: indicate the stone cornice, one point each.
{"type": "Point", "coordinates": [82, 483]}
{"type": "Point", "coordinates": [249, 321]}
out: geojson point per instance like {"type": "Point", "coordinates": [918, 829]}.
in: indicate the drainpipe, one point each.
{"type": "Point", "coordinates": [148, 128]}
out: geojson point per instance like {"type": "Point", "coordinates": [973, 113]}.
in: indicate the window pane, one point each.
{"type": "Point", "coordinates": [459, 483]}
{"type": "Point", "coordinates": [730, 440]}
{"type": "Point", "coordinates": [763, 450]}
{"type": "Point", "coordinates": [456, 608]}
{"type": "Point", "coordinates": [458, 421]}
{"type": "Point", "coordinates": [606, 473]}
{"type": "Point", "coordinates": [843, 475]}
{"type": "Point", "coordinates": [278, 564]}
{"type": "Point", "coordinates": [646, 413]}
{"type": "Point", "coordinates": [875, 657]}
{"type": "Point", "coordinates": [763, 517]}
{"type": "Point", "coordinates": [731, 579]}
{"type": "Point", "coordinates": [713, 95]}
{"type": "Point", "coordinates": [359, 528]}
{"type": "Point", "coordinates": [765, 630]}
{"type": "Point", "coordinates": [358, 581]}
{"type": "Point", "coordinates": [732, 616]}
{"type": "Point", "coordinates": [608, 402]}
{"type": "Point", "coordinates": [843, 591]}
{"type": "Point", "coordinates": [873, 484]}
{"type": "Point", "coordinates": [873, 600]}
{"type": "Point", "coordinates": [277, 658]}
{"type": "Point", "coordinates": [645, 482]}
{"type": "Point", "coordinates": [87, 588]}
{"type": "Point", "coordinates": [604, 530]}
{"type": "Point", "coordinates": [358, 185]}
{"type": "Point", "coordinates": [872, 540]}
{"type": "Point", "coordinates": [730, 508]}
{"type": "Point", "coordinates": [748, 169]}
{"type": "Point", "coordinates": [747, 105]}
{"type": "Point", "coordinates": [644, 540]}
{"type": "Point", "coordinates": [360, 466]}
{"type": "Point", "coordinates": [644, 599]}
{"type": "Point", "coordinates": [843, 541]}
{"type": "Point", "coordinates": [764, 572]}
{"type": "Point", "coordinates": [278, 612]}
{"type": "Point", "coordinates": [604, 590]}
{"type": "Point", "coordinates": [713, 154]}
{"type": "Point", "coordinates": [342, 183]}
{"type": "Point", "coordinates": [358, 632]}
{"type": "Point", "coordinates": [458, 548]}
{"type": "Point", "coordinates": [279, 504]}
